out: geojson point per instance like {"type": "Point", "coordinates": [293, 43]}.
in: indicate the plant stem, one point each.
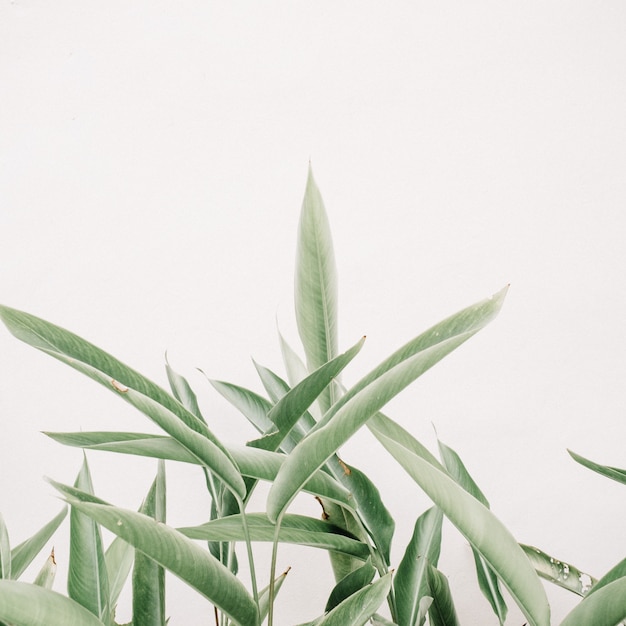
{"type": "Point", "coordinates": [270, 615]}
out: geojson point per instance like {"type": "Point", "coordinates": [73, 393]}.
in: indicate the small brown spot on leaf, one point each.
{"type": "Point", "coordinates": [118, 386]}
{"type": "Point", "coordinates": [324, 514]}
{"type": "Point", "coordinates": [346, 470]}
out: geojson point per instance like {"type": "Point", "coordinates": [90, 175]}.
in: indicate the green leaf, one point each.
{"type": "Point", "coordinates": [300, 529]}
{"type": "Point", "coordinates": [610, 472]}
{"type": "Point", "coordinates": [148, 575]}
{"type": "Point", "coordinates": [22, 556]}
{"type": "Point", "coordinates": [254, 463]}
{"type": "Point", "coordinates": [480, 527]}
{"type": "Point", "coordinates": [119, 558]}
{"type": "Point", "coordinates": [487, 580]}
{"type": "Point", "coordinates": [264, 594]}
{"type": "Point", "coordinates": [371, 394]}
{"type": "Point", "coordinates": [441, 611]}
{"type": "Point", "coordinates": [45, 576]}
{"type": "Point", "coordinates": [360, 606]}
{"type": "Point", "coordinates": [253, 406]}
{"type": "Point", "coordinates": [87, 580]}
{"type": "Point", "coordinates": [290, 408]}
{"type": "Point", "coordinates": [605, 607]}
{"type": "Point", "coordinates": [354, 581]}
{"type": "Point", "coordinates": [316, 284]}
{"type": "Point", "coordinates": [368, 503]}
{"type": "Point", "coordinates": [5, 551]}
{"type": "Point", "coordinates": [558, 572]}
{"type": "Point", "coordinates": [182, 391]}
{"type": "Point", "coordinates": [175, 552]}
{"type": "Point", "coordinates": [411, 579]}
{"type": "Point", "coordinates": [24, 604]}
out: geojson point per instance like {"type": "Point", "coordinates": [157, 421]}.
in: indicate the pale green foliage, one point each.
{"type": "Point", "coordinates": [302, 424]}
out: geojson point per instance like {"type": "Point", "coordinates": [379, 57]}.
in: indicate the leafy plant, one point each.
{"type": "Point", "coordinates": [302, 424]}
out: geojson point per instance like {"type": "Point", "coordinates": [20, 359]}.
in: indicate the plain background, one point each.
{"type": "Point", "coordinates": [153, 157]}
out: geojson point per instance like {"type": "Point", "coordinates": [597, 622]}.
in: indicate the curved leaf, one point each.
{"type": "Point", "coordinates": [316, 284]}
{"type": "Point", "coordinates": [411, 579]}
{"type": "Point", "coordinates": [300, 529]}
{"type": "Point", "coordinates": [360, 606]}
{"type": "Point", "coordinates": [481, 528]}
{"type": "Point", "coordinates": [23, 554]}
{"type": "Point", "coordinates": [45, 576]}
{"type": "Point", "coordinates": [605, 607]}
{"type": "Point", "coordinates": [610, 472]}
{"type": "Point", "coordinates": [178, 554]}
{"type": "Point", "coordinates": [618, 571]}
{"type": "Point", "coordinates": [30, 605]}
{"type": "Point", "coordinates": [354, 581]}
{"type": "Point", "coordinates": [119, 558]}
{"type": "Point", "coordinates": [5, 551]}
{"type": "Point", "coordinates": [441, 610]}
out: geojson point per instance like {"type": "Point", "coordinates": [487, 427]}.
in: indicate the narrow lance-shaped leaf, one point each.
{"type": "Point", "coordinates": [373, 392]}
{"type": "Point", "coordinates": [175, 552]}
{"type": "Point", "coordinates": [441, 610]}
{"type": "Point", "coordinates": [610, 472]}
{"type": "Point", "coordinates": [360, 606]}
{"type": "Point", "coordinates": [487, 580]}
{"type": "Point", "coordinates": [298, 529]}
{"type": "Point", "coordinates": [264, 594]}
{"type": "Point", "coordinates": [288, 410]}
{"type": "Point", "coordinates": [182, 391]}
{"type": "Point", "coordinates": [23, 554]}
{"type": "Point", "coordinates": [5, 551]}
{"type": "Point", "coordinates": [32, 605]}
{"type": "Point", "coordinates": [354, 581]}
{"type": "Point", "coordinates": [119, 557]}
{"type": "Point", "coordinates": [148, 575]}
{"type": "Point", "coordinates": [558, 572]}
{"type": "Point", "coordinates": [411, 579]}
{"type": "Point", "coordinates": [259, 464]}
{"type": "Point", "coordinates": [316, 284]}
{"type": "Point", "coordinates": [618, 571]}
{"type": "Point", "coordinates": [481, 528]}
{"type": "Point", "coordinates": [87, 580]}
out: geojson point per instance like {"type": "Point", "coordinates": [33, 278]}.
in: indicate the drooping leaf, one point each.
{"type": "Point", "coordinates": [558, 572]}
{"type": "Point", "coordinates": [148, 397]}
{"type": "Point", "coordinates": [441, 611]}
{"type": "Point", "coordinates": [480, 527]}
{"type": "Point", "coordinates": [316, 284]}
{"type": "Point", "coordinates": [354, 581]}
{"type": "Point", "coordinates": [23, 554]}
{"type": "Point", "coordinates": [252, 462]}
{"type": "Point", "coordinates": [87, 580]}
{"type": "Point", "coordinates": [360, 606]}
{"type": "Point", "coordinates": [411, 579]}
{"type": "Point", "coordinates": [605, 607]}
{"type": "Point", "coordinates": [24, 604]}
{"type": "Point", "coordinates": [174, 552]}
{"type": "Point", "coordinates": [299, 529]}
{"type": "Point", "coordinates": [148, 575]}
{"type": "Point", "coordinates": [618, 571]}
{"type": "Point", "coordinates": [487, 579]}
{"type": "Point", "coordinates": [610, 472]}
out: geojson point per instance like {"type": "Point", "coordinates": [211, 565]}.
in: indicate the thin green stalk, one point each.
{"type": "Point", "coordinates": [270, 615]}
{"type": "Point", "coordinates": [246, 532]}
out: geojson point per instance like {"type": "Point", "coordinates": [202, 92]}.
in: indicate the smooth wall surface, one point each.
{"type": "Point", "coordinates": [153, 159]}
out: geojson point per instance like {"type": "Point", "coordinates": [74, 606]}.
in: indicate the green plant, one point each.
{"type": "Point", "coordinates": [302, 424]}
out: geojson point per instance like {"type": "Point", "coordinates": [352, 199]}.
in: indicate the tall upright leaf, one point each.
{"type": "Point", "coordinates": [87, 580]}
{"type": "Point", "coordinates": [411, 579]}
{"type": "Point", "coordinates": [5, 551]}
{"type": "Point", "coordinates": [316, 284]}
{"type": "Point", "coordinates": [148, 575]}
